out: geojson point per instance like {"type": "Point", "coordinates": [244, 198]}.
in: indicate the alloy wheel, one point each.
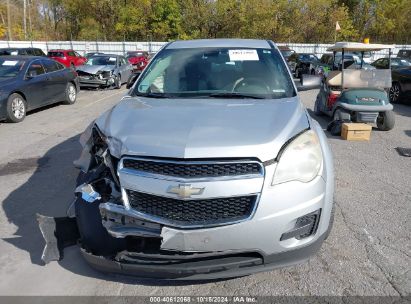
{"type": "Point", "coordinates": [394, 93]}
{"type": "Point", "coordinates": [18, 108]}
{"type": "Point", "coordinates": [72, 93]}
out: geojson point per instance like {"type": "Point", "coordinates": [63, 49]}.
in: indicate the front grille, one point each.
{"type": "Point", "coordinates": [204, 212]}
{"type": "Point", "coordinates": [193, 169]}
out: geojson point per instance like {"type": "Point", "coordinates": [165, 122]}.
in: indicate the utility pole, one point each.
{"type": "Point", "coordinates": [30, 26]}
{"type": "Point", "coordinates": [8, 21]}
{"type": "Point", "coordinates": [24, 19]}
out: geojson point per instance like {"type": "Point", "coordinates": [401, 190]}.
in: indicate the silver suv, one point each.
{"type": "Point", "coordinates": [210, 167]}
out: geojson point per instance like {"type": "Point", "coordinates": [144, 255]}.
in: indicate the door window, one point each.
{"type": "Point", "coordinates": [71, 53]}
{"type": "Point", "coordinates": [50, 66]}
{"type": "Point", "coordinates": [35, 69]}
{"type": "Point", "coordinates": [123, 61]}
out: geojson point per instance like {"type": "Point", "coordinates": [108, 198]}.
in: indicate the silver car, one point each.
{"type": "Point", "coordinates": [209, 168]}
{"type": "Point", "coordinates": [104, 70]}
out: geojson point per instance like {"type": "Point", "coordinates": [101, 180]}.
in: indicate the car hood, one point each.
{"type": "Point", "coordinates": [93, 69]}
{"type": "Point", "coordinates": [202, 128]}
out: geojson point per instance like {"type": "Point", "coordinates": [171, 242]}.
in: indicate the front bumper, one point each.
{"type": "Point", "coordinates": [208, 267]}
{"type": "Point", "coordinates": [240, 248]}
{"type": "Point", "coordinates": [95, 83]}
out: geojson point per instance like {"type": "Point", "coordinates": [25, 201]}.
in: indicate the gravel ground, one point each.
{"type": "Point", "coordinates": [367, 253]}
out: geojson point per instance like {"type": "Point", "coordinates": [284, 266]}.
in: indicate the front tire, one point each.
{"type": "Point", "coordinates": [71, 94]}
{"type": "Point", "coordinates": [16, 108]}
{"type": "Point", "coordinates": [117, 82]}
{"type": "Point", "coordinates": [386, 121]}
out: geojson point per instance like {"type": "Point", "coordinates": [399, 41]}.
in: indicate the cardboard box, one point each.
{"type": "Point", "coordinates": [356, 131]}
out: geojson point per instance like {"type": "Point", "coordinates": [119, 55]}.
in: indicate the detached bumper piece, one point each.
{"type": "Point", "coordinates": [198, 266]}
{"type": "Point", "coordinates": [58, 233]}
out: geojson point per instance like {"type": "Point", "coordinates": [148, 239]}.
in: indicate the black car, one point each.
{"type": "Point", "coordinates": [22, 51]}
{"type": "Point", "coordinates": [400, 74]}
{"type": "Point", "coordinates": [401, 85]}
{"type": "Point", "coordinates": [404, 54]}
{"type": "Point", "coordinates": [396, 63]}
{"type": "Point", "coordinates": [303, 63]}
{"type": "Point", "coordinates": [28, 82]}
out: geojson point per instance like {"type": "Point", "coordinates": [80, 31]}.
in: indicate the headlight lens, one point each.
{"type": "Point", "coordinates": [300, 161]}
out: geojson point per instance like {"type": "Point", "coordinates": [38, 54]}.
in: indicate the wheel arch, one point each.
{"type": "Point", "coordinates": [75, 85]}
{"type": "Point", "coordinates": [22, 95]}
{"type": "Point", "coordinates": [396, 81]}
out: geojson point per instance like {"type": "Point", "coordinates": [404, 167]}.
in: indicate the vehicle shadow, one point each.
{"type": "Point", "coordinates": [323, 120]}
{"type": "Point", "coordinates": [402, 109]}
{"type": "Point", "coordinates": [49, 191]}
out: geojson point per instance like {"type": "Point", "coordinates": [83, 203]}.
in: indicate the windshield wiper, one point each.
{"type": "Point", "coordinates": [235, 95]}
{"type": "Point", "coordinates": [153, 95]}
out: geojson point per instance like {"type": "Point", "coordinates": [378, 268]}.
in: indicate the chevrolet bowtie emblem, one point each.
{"type": "Point", "coordinates": [184, 190]}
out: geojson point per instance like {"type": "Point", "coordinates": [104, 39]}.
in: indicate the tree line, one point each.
{"type": "Point", "coordinates": [290, 21]}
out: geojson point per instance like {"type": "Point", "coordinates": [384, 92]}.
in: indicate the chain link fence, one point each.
{"type": "Point", "coordinates": [122, 47]}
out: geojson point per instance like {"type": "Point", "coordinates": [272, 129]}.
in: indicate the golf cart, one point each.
{"type": "Point", "coordinates": [351, 93]}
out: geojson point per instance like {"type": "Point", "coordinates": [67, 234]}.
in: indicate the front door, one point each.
{"type": "Point", "coordinates": [36, 85]}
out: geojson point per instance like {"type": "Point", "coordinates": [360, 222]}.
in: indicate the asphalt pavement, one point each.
{"type": "Point", "coordinates": [367, 253]}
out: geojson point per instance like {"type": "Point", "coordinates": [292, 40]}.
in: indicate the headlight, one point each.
{"type": "Point", "coordinates": [300, 161]}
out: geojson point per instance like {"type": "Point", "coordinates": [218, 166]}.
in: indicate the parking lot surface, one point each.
{"type": "Point", "coordinates": [367, 253]}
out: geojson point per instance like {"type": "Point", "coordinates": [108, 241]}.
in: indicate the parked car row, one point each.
{"type": "Point", "coordinates": [30, 82]}
{"type": "Point", "coordinates": [29, 79]}
{"type": "Point", "coordinates": [308, 63]}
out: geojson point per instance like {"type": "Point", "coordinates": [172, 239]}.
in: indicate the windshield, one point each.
{"type": "Point", "coordinates": [216, 72]}
{"type": "Point", "coordinates": [10, 68]}
{"type": "Point", "coordinates": [136, 54]}
{"type": "Point", "coordinates": [308, 57]}
{"type": "Point", "coordinates": [347, 58]}
{"type": "Point", "coordinates": [397, 62]}
{"type": "Point", "coordinates": [9, 52]}
{"type": "Point", "coordinates": [56, 54]}
{"type": "Point", "coordinates": [101, 60]}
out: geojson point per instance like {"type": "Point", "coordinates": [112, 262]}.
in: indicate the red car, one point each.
{"type": "Point", "coordinates": [69, 58]}
{"type": "Point", "coordinates": [139, 59]}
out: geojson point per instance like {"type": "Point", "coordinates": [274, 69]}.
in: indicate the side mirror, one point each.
{"type": "Point", "coordinates": [308, 82]}
{"type": "Point", "coordinates": [31, 74]}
